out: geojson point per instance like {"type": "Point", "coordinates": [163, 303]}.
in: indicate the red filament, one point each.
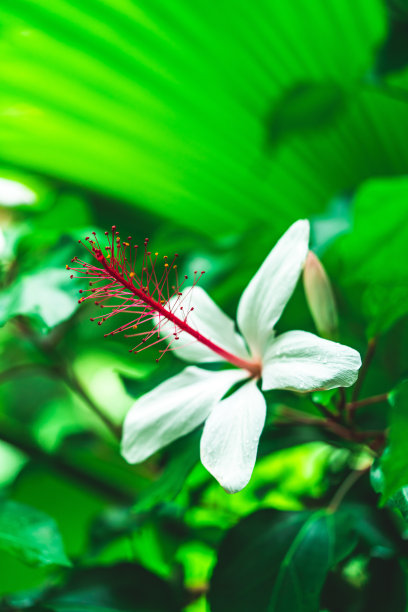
{"type": "Point", "coordinates": [130, 280]}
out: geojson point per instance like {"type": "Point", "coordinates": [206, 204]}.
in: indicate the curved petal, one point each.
{"type": "Point", "coordinates": [210, 321]}
{"type": "Point", "coordinates": [231, 434]}
{"type": "Point", "coordinates": [301, 361]}
{"type": "Point", "coordinates": [266, 296]}
{"type": "Point", "coordinates": [173, 409]}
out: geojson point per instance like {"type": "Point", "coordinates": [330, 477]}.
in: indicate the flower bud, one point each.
{"type": "Point", "coordinates": [320, 298]}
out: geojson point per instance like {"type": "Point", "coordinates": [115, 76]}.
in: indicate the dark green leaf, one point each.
{"type": "Point", "coordinates": [399, 500]}
{"type": "Point", "coordinates": [86, 607]}
{"type": "Point", "coordinates": [394, 462]}
{"type": "Point", "coordinates": [387, 588]}
{"type": "Point", "coordinates": [371, 585]}
{"type": "Point", "coordinates": [376, 531]}
{"type": "Point", "coordinates": [393, 54]}
{"type": "Point", "coordinates": [275, 561]}
{"type": "Point", "coordinates": [183, 455]}
{"type": "Point", "coordinates": [30, 535]}
{"type": "Point", "coordinates": [125, 587]}
{"type": "Point", "coordinates": [303, 107]}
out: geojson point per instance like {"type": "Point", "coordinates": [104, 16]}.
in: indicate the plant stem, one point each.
{"type": "Point", "coordinates": [342, 399]}
{"type": "Point", "coordinates": [325, 411]}
{"type": "Point", "coordinates": [13, 434]}
{"type": "Point", "coordinates": [344, 488]}
{"type": "Point", "coordinates": [72, 381]}
{"type": "Point", "coordinates": [372, 344]}
{"type": "Point", "coordinates": [374, 399]}
{"type": "Point", "coordinates": [332, 425]}
{"type": "Point", "coordinates": [61, 368]}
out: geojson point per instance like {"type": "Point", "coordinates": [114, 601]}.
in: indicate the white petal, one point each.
{"type": "Point", "coordinates": [231, 434]}
{"type": "Point", "coordinates": [174, 408]}
{"type": "Point", "coordinates": [302, 361]}
{"type": "Point", "coordinates": [208, 319]}
{"type": "Point", "coordinates": [266, 296]}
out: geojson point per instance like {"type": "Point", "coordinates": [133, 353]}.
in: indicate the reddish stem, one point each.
{"type": "Point", "coordinates": [374, 399]}
{"type": "Point", "coordinates": [372, 344]}
{"type": "Point", "coordinates": [253, 368]}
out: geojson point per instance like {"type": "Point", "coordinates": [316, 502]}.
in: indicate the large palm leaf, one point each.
{"type": "Point", "coordinates": [167, 105]}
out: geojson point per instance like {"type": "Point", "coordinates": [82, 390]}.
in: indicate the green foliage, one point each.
{"type": "Point", "coordinates": [184, 454]}
{"type": "Point", "coordinates": [208, 129]}
{"type": "Point", "coordinates": [373, 252]}
{"type": "Point", "coordinates": [395, 461]}
{"type": "Point", "coordinates": [279, 561]}
{"type": "Point", "coordinates": [30, 535]}
{"type": "Point", "coordinates": [124, 587]}
{"type": "Point", "coordinates": [185, 121]}
{"type": "Point", "coordinates": [45, 295]}
{"type": "Point", "coordinates": [393, 54]}
{"type": "Point", "coordinates": [306, 106]}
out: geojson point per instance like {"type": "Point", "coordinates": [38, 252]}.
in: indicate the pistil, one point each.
{"type": "Point", "coordinates": [144, 294]}
{"type": "Point", "coordinates": [253, 368]}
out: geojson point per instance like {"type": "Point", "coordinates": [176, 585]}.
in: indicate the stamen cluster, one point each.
{"type": "Point", "coordinates": [131, 280]}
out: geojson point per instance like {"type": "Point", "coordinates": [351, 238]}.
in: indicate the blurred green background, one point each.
{"type": "Point", "coordinates": [210, 129]}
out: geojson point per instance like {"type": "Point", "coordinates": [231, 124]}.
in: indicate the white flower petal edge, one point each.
{"type": "Point", "coordinates": [173, 409]}
{"type": "Point", "coordinates": [301, 361]}
{"type": "Point", "coordinates": [210, 321]}
{"type": "Point", "coordinates": [266, 296]}
{"type": "Point", "coordinates": [231, 434]}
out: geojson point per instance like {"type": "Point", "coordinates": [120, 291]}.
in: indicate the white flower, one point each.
{"type": "Point", "coordinates": [294, 360]}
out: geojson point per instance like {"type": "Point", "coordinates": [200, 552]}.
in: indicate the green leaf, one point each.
{"type": "Point", "coordinates": [375, 530]}
{"type": "Point", "coordinates": [387, 589]}
{"type": "Point", "coordinates": [30, 535]}
{"type": "Point", "coordinates": [373, 255]}
{"type": "Point", "coordinates": [183, 456]}
{"type": "Point", "coordinates": [305, 106]}
{"type": "Point", "coordinates": [45, 295]}
{"type": "Point", "coordinates": [393, 54]}
{"type": "Point", "coordinates": [399, 500]}
{"type": "Point", "coordinates": [394, 462]}
{"type": "Point", "coordinates": [275, 561]}
{"type": "Point", "coordinates": [366, 585]}
{"type": "Point", "coordinates": [384, 304]}
{"type": "Point", "coordinates": [186, 121]}
{"type": "Point", "coordinates": [125, 587]}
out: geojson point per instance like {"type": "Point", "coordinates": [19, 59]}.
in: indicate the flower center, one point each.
{"type": "Point", "coordinates": [128, 282]}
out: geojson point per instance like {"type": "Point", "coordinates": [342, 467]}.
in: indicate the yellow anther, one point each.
{"type": "Point", "coordinates": [67, 266]}
{"type": "Point", "coordinates": [156, 254]}
{"type": "Point", "coordinates": [107, 255]}
{"type": "Point", "coordinates": [135, 327]}
{"type": "Point", "coordinates": [166, 265]}
{"type": "Point", "coordinates": [174, 266]}
{"type": "Point", "coordinates": [126, 243]}
{"type": "Point", "coordinates": [131, 274]}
